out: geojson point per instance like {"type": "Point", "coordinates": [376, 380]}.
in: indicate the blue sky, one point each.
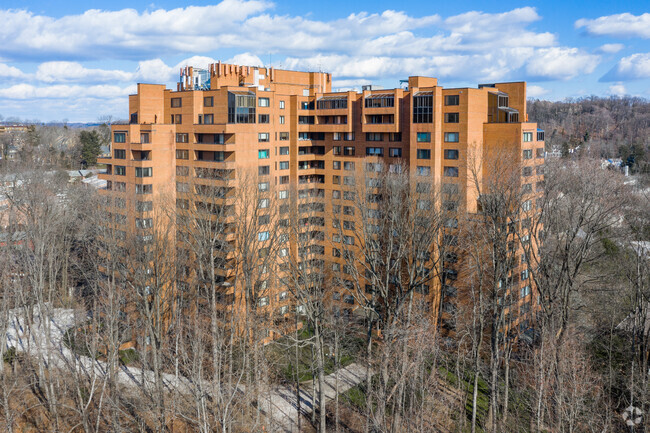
{"type": "Point", "coordinates": [78, 61]}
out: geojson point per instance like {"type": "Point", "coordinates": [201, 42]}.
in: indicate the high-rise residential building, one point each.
{"type": "Point", "coordinates": [305, 143]}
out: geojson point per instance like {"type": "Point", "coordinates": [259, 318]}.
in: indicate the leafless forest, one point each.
{"type": "Point", "coordinates": [78, 291]}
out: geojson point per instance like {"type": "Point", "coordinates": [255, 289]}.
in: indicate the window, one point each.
{"type": "Point", "coordinates": [452, 117]}
{"type": "Point", "coordinates": [263, 236]}
{"type": "Point", "coordinates": [282, 195]}
{"type": "Point", "coordinates": [336, 165]}
{"type": "Point", "coordinates": [374, 136]}
{"type": "Point", "coordinates": [452, 100]}
{"type": "Point", "coordinates": [121, 203]}
{"type": "Point", "coordinates": [450, 188]}
{"type": "Point", "coordinates": [336, 194]}
{"type": "Point", "coordinates": [284, 136]}
{"type": "Point", "coordinates": [283, 252]}
{"type": "Point", "coordinates": [182, 154]}
{"type": "Point", "coordinates": [143, 206]}
{"type": "Point", "coordinates": [177, 102]}
{"type": "Point", "coordinates": [284, 165]}
{"type": "Point", "coordinates": [528, 154]}
{"type": "Point", "coordinates": [182, 187]}
{"type": "Point", "coordinates": [208, 101]}
{"type": "Point", "coordinates": [281, 120]}
{"type": "Point", "coordinates": [423, 108]}
{"type": "Point", "coordinates": [263, 137]}
{"type": "Point", "coordinates": [121, 186]}
{"type": "Point", "coordinates": [119, 154]}
{"type": "Point", "coordinates": [526, 206]}
{"type": "Point", "coordinates": [284, 180]}
{"type": "Point", "coordinates": [424, 154]}
{"type": "Point", "coordinates": [524, 274]}
{"type": "Point", "coordinates": [119, 137]}
{"type": "Point", "coordinates": [395, 152]}
{"type": "Point", "coordinates": [263, 118]}
{"type": "Point", "coordinates": [348, 225]}
{"type": "Point", "coordinates": [451, 137]}
{"type": "Point", "coordinates": [348, 136]}
{"type": "Point", "coordinates": [120, 170]}
{"type": "Point", "coordinates": [451, 154]}
{"type": "Point", "coordinates": [263, 154]}
{"type": "Point", "coordinates": [525, 291]}
{"type": "Point", "coordinates": [348, 150]}
{"type": "Point", "coordinates": [263, 102]}
{"type": "Point", "coordinates": [349, 195]}
{"type": "Point", "coordinates": [337, 136]}
{"type": "Point", "coordinates": [284, 150]}
{"type": "Point", "coordinates": [182, 138]}
{"type": "Point", "coordinates": [348, 240]}
{"type": "Point", "coordinates": [348, 180]}
{"type": "Point", "coordinates": [305, 120]}
{"type": "Point", "coordinates": [143, 189]}
{"type": "Point", "coordinates": [303, 136]}
{"type": "Point", "coordinates": [527, 171]}
{"type": "Point", "coordinates": [423, 170]}
{"type": "Point", "coordinates": [263, 203]}
{"type": "Point", "coordinates": [143, 223]}
{"type": "Point", "coordinates": [395, 136]}
{"type": "Point", "coordinates": [263, 170]}
{"type": "Point", "coordinates": [143, 171]}
{"type": "Point", "coordinates": [263, 186]}
{"type": "Point", "coordinates": [539, 152]}
{"type": "Point", "coordinates": [374, 151]}
{"type": "Point", "coordinates": [424, 137]}
{"type": "Point", "coordinates": [451, 171]}
{"type": "Point", "coordinates": [144, 138]}
{"type": "Point", "coordinates": [528, 136]}
{"type": "Point", "coordinates": [281, 105]}
{"type": "Point", "coordinates": [336, 180]}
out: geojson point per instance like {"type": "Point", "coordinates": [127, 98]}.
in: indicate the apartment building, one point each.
{"type": "Point", "coordinates": [305, 142]}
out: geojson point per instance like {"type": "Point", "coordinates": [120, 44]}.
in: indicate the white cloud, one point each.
{"type": "Point", "coordinates": [561, 63]}
{"type": "Point", "coordinates": [536, 91]}
{"type": "Point", "coordinates": [634, 67]}
{"type": "Point", "coordinates": [619, 25]}
{"type": "Point", "coordinates": [7, 71]}
{"type": "Point", "coordinates": [29, 91]}
{"type": "Point", "coordinates": [68, 72]}
{"type": "Point", "coordinates": [617, 90]}
{"type": "Point", "coordinates": [611, 48]}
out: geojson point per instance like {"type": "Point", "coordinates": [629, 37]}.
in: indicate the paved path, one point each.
{"type": "Point", "coordinates": [281, 404]}
{"type": "Point", "coordinates": [44, 338]}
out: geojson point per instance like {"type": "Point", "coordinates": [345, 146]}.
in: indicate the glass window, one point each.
{"type": "Point", "coordinates": [182, 170]}
{"type": "Point", "coordinates": [182, 154]}
{"type": "Point", "coordinates": [284, 165]}
{"type": "Point", "coordinates": [177, 119]}
{"type": "Point", "coordinates": [423, 108]}
{"type": "Point", "coordinates": [284, 150]}
{"type": "Point", "coordinates": [374, 151]}
{"type": "Point", "coordinates": [143, 189]}
{"type": "Point", "coordinates": [177, 102]}
{"type": "Point", "coordinates": [452, 117]}
{"type": "Point", "coordinates": [143, 171]}
{"type": "Point", "coordinates": [528, 136]}
{"type": "Point", "coordinates": [284, 136]}
{"type": "Point", "coordinates": [263, 137]}
{"type": "Point", "coordinates": [182, 138]}
{"type": "Point", "coordinates": [452, 99]}
{"type": "Point", "coordinates": [374, 136]}
{"type": "Point", "coordinates": [451, 171]}
{"type": "Point", "coordinates": [208, 101]}
{"type": "Point", "coordinates": [281, 120]}
{"type": "Point", "coordinates": [451, 137]}
{"type": "Point", "coordinates": [423, 170]}
{"type": "Point", "coordinates": [263, 102]}
{"type": "Point", "coordinates": [263, 236]}
{"type": "Point", "coordinates": [263, 186]}
{"type": "Point", "coordinates": [395, 152]}
{"type": "Point", "coordinates": [263, 118]}
{"type": "Point", "coordinates": [263, 153]}
{"type": "Point", "coordinates": [282, 105]}
{"type": "Point", "coordinates": [283, 195]}
{"type": "Point", "coordinates": [348, 165]}
{"type": "Point", "coordinates": [424, 154]}
{"type": "Point", "coordinates": [119, 154]}
{"type": "Point", "coordinates": [336, 165]}
{"type": "Point", "coordinates": [144, 137]}
{"type": "Point", "coordinates": [208, 119]}
{"type": "Point", "coordinates": [120, 170]}
{"type": "Point", "coordinates": [119, 137]}
{"type": "Point", "coordinates": [451, 154]}
{"type": "Point", "coordinates": [424, 137]}
{"type": "Point", "coordinates": [263, 170]}
{"type": "Point", "coordinates": [528, 154]}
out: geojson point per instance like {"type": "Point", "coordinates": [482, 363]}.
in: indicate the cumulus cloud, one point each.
{"type": "Point", "coordinates": [617, 89]}
{"type": "Point", "coordinates": [634, 67]}
{"type": "Point", "coordinates": [25, 91]}
{"type": "Point", "coordinates": [611, 48]}
{"type": "Point", "coordinates": [7, 71]}
{"type": "Point", "coordinates": [561, 63]}
{"type": "Point", "coordinates": [536, 91]}
{"type": "Point", "coordinates": [620, 25]}
{"type": "Point", "coordinates": [66, 72]}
